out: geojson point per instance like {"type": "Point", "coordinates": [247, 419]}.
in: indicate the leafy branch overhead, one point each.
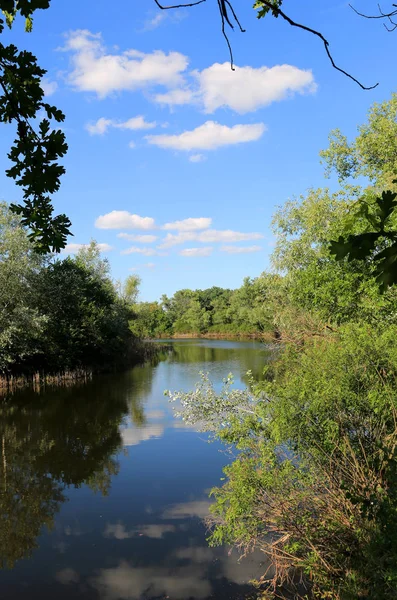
{"type": "Point", "coordinates": [35, 153]}
{"type": "Point", "coordinates": [379, 245]}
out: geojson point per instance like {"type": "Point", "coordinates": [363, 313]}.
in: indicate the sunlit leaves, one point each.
{"type": "Point", "coordinates": [263, 9]}
{"type": "Point", "coordinates": [378, 246]}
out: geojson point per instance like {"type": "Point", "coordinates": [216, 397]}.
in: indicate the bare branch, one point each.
{"type": "Point", "coordinates": [224, 5]}
{"type": "Point", "coordinates": [382, 15]}
{"type": "Point", "coordinates": [235, 16]}
{"type": "Point", "coordinates": [178, 5]}
{"type": "Point", "coordinates": [282, 14]}
{"type": "Point", "coordinates": [225, 34]}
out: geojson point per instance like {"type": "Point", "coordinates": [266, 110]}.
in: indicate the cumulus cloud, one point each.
{"type": "Point", "coordinates": [73, 248]}
{"type": "Point", "coordinates": [195, 158]}
{"type": "Point", "coordinates": [94, 69]}
{"type": "Point", "coordinates": [142, 239]}
{"type": "Point", "coordinates": [246, 89]}
{"type": "Point", "coordinates": [191, 224]}
{"type": "Point", "coordinates": [102, 125]}
{"type": "Point", "coordinates": [122, 219]}
{"type": "Point", "coordinates": [206, 251]}
{"type": "Point", "coordinates": [240, 249]}
{"type": "Point", "coordinates": [155, 21]}
{"type": "Point", "coordinates": [209, 136]}
{"type": "Point", "coordinates": [209, 236]}
{"type": "Point", "coordinates": [177, 96]}
{"type": "Point", "coordinates": [136, 250]}
{"type": "Point", "coordinates": [49, 87]}
{"type": "Point", "coordinates": [243, 90]}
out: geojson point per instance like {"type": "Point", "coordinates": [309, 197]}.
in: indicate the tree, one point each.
{"type": "Point", "coordinates": [56, 315]}
{"type": "Point", "coordinates": [130, 289]}
{"type": "Point", "coordinates": [35, 154]}
{"type": "Point", "coordinates": [373, 154]}
{"type": "Point", "coordinates": [21, 323]}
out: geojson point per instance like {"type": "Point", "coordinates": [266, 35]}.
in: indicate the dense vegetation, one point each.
{"type": "Point", "coordinates": [58, 315]}
{"type": "Point", "coordinates": [215, 310]}
{"type": "Point", "coordinates": [314, 481]}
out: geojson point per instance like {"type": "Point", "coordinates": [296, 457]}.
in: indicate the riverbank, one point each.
{"type": "Point", "coordinates": [267, 337]}
{"type": "Point", "coordinates": [139, 353]}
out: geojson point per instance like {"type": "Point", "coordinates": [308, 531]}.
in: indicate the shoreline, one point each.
{"type": "Point", "coordinates": [218, 336]}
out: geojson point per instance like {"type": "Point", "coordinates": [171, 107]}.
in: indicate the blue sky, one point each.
{"type": "Point", "coordinates": [175, 162]}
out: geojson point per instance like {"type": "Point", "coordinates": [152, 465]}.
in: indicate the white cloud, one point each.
{"type": "Point", "coordinates": [149, 265]}
{"type": "Point", "coordinates": [142, 239]}
{"type": "Point", "coordinates": [73, 248]}
{"type": "Point", "coordinates": [122, 219]}
{"type": "Point", "coordinates": [135, 123]}
{"type": "Point", "coordinates": [246, 89]}
{"type": "Point", "coordinates": [132, 145]}
{"type": "Point", "coordinates": [49, 87]}
{"type": "Point", "coordinates": [196, 158]}
{"type": "Point", "coordinates": [210, 236]}
{"type": "Point", "coordinates": [206, 251]}
{"type": "Point", "coordinates": [102, 125]}
{"type": "Point", "coordinates": [155, 22]}
{"type": "Point", "coordinates": [243, 90]}
{"type": "Point", "coordinates": [96, 70]}
{"type": "Point", "coordinates": [136, 250]}
{"type": "Point", "coordinates": [209, 136]}
{"type": "Point", "coordinates": [191, 224]}
{"type": "Point", "coordinates": [240, 249]}
{"type": "Point", "coordinates": [175, 97]}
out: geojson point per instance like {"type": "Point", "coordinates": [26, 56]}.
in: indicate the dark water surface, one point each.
{"type": "Point", "coordinates": [103, 490]}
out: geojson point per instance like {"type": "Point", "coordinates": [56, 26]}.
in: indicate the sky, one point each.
{"type": "Point", "coordinates": [176, 163]}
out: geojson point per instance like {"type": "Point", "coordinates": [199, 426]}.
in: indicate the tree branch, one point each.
{"type": "Point", "coordinates": [179, 5]}
{"type": "Point", "coordinates": [224, 5]}
{"type": "Point", "coordinates": [382, 15]}
{"type": "Point", "coordinates": [293, 23]}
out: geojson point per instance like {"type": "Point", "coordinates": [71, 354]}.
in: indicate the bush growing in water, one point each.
{"type": "Point", "coordinates": [314, 483]}
{"type": "Point", "coordinates": [315, 480]}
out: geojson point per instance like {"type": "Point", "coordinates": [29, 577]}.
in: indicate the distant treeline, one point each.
{"type": "Point", "coordinates": [243, 311]}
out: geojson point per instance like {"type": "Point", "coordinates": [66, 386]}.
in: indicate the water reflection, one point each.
{"type": "Point", "coordinates": [103, 493]}
{"type": "Point", "coordinates": [46, 447]}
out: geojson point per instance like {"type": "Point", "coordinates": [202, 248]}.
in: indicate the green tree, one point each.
{"type": "Point", "coordinates": [21, 323]}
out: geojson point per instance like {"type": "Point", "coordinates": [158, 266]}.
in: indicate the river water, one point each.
{"type": "Point", "coordinates": [103, 490]}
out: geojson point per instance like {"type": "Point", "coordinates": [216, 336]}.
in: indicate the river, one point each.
{"type": "Point", "coordinates": [103, 490]}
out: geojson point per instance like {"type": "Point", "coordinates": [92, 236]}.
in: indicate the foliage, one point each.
{"type": "Point", "coordinates": [313, 484]}
{"type": "Point", "coordinates": [379, 245]}
{"type": "Point", "coordinates": [373, 153]}
{"type": "Point", "coordinates": [57, 315]}
{"type": "Point", "coordinates": [35, 153]}
{"type": "Point", "coordinates": [313, 480]}
{"type": "Point", "coordinates": [214, 310]}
